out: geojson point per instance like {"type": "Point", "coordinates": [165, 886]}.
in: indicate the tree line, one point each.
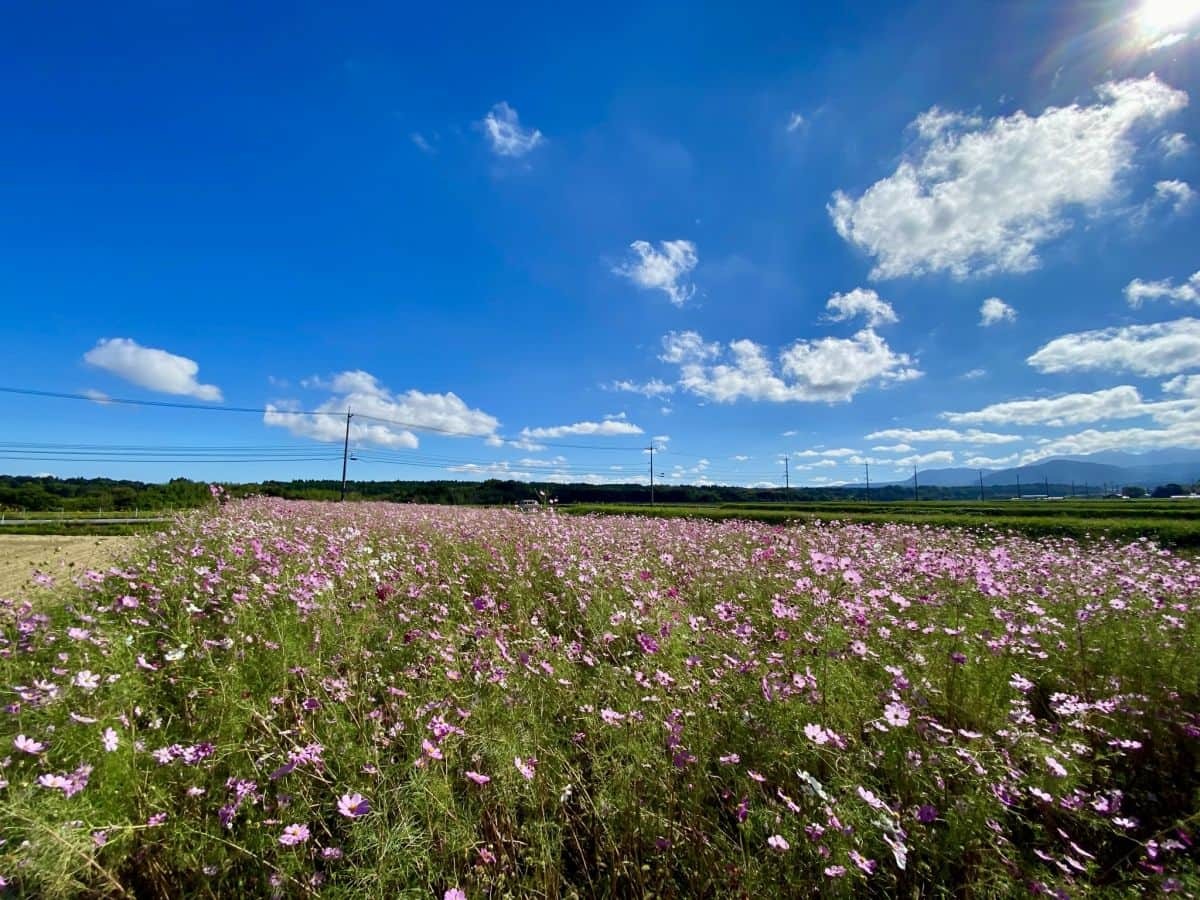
{"type": "Point", "coordinates": [42, 493]}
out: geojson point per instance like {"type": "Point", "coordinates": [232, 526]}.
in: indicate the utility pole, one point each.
{"type": "Point", "coordinates": [787, 484]}
{"type": "Point", "coordinates": [867, 467]}
{"type": "Point", "coordinates": [981, 485]}
{"type": "Point", "coordinates": [345, 455]}
{"type": "Point", "coordinates": [916, 490]}
{"type": "Point", "coordinates": [651, 449]}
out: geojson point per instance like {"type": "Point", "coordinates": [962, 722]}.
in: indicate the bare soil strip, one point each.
{"type": "Point", "coordinates": [60, 556]}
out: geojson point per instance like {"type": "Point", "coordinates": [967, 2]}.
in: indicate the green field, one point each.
{"type": "Point", "coordinates": [1175, 522]}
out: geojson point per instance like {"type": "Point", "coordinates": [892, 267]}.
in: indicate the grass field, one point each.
{"type": "Point", "coordinates": [353, 700]}
{"type": "Point", "coordinates": [1172, 522]}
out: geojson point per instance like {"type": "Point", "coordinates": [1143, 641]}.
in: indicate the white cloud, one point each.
{"type": "Point", "coordinates": [894, 448]}
{"type": "Point", "coordinates": [994, 310]}
{"type": "Point", "coordinates": [1163, 348]}
{"type": "Point", "coordinates": [835, 452]}
{"type": "Point", "coordinates": [1184, 433]}
{"type": "Point", "coordinates": [861, 302]}
{"type": "Point", "coordinates": [942, 435]}
{"type": "Point", "coordinates": [795, 121]}
{"type": "Point", "coordinates": [1184, 385]}
{"type": "Point", "coordinates": [1121, 402]}
{"type": "Point", "coordinates": [1167, 40]}
{"type": "Point", "coordinates": [607, 428]}
{"type": "Point", "coordinates": [828, 370]}
{"type": "Point", "coordinates": [992, 462]}
{"type": "Point", "coordinates": [155, 370]}
{"type": "Point", "coordinates": [652, 388]}
{"type": "Point", "coordinates": [740, 457]}
{"type": "Point", "coordinates": [1138, 291]}
{"type": "Point", "coordinates": [973, 374]}
{"type": "Point", "coordinates": [503, 129]}
{"type": "Point", "coordinates": [97, 396]}
{"type": "Point", "coordinates": [981, 197]}
{"type": "Point", "coordinates": [423, 143]}
{"type": "Point", "coordinates": [1175, 144]}
{"type": "Point", "coordinates": [380, 417]}
{"type": "Point", "coordinates": [933, 458]}
{"type": "Point", "coordinates": [1178, 193]}
{"type": "Point", "coordinates": [687, 346]}
{"type": "Point", "coordinates": [662, 269]}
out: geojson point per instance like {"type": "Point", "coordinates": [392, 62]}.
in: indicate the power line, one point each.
{"type": "Point", "coordinates": [254, 410]}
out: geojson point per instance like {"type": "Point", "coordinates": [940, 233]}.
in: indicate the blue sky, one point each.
{"type": "Point", "coordinates": [531, 241]}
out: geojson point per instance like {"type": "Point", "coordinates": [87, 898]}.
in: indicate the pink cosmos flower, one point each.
{"type": "Point", "coordinates": [87, 680]}
{"type": "Point", "coordinates": [867, 865]}
{"type": "Point", "coordinates": [293, 835]}
{"type": "Point", "coordinates": [479, 778]}
{"type": "Point", "coordinates": [611, 716]}
{"type": "Point", "coordinates": [454, 894]}
{"type": "Point", "coordinates": [110, 740]}
{"type": "Point", "coordinates": [28, 745]}
{"type": "Point", "coordinates": [1056, 768]}
{"type": "Point", "coordinates": [835, 871]}
{"type": "Point", "coordinates": [526, 768]}
{"type": "Point", "coordinates": [816, 734]}
{"type": "Point", "coordinates": [896, 714]}
{"type": "Point", "coordinates": [352, 806]}
{"type": "Point", "coordinates": [778, 843]}
{"type": "Point", "coordinates": [730, 759]}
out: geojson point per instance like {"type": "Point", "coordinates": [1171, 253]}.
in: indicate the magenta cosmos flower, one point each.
{"type": "Point", "coordinates": [353, 805]}
{"type": "Point", "coordinates": [479, 777]}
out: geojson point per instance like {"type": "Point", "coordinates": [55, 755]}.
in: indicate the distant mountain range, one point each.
{"type": "Point", "coordinates": [1095, 470]}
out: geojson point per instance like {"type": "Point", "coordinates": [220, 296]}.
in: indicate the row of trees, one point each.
{"type": "Point", "coordinates": [91, 494]}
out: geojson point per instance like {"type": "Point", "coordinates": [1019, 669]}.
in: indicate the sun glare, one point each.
{"type": "Point", "coordinates": [1158, 16]}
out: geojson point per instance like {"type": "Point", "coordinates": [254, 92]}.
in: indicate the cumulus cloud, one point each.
{"type": "Point", "coordinates": [380, 418]}
{"type": "Point", "coordinates": [608, 428]}
{"type": "Point", "coordinates": [1178, 194]}
{"type": "Point", "coordinates": [994, 310]}
{"type": "Point", "coordinates": [1183, 433]}
{"type": "Point", "coordinates": [1121, 402]}
{"type": "Point", "coordinates": [828, 370]}
{"type": "Point", "coordinates": [942, 436]}
{"type": "Point", "coordinates": [1138, 291]}
{"type": "Point", "coordinates": [155, 370]}
{"type": "Point", "coordinates": [503, 128]}
{"type": "Point", "coordinates": [652, 388]}
{"type": "Point", "coordinates": [979, 197]}
{"type": "Point", "coordinates": [861, 302]}
{"type": "Point", "coordinates": [835, 452]}
{"type": "Point", "coordinates": [663, 269]}
{"type": "Point", "coordinates": [1163, 348]}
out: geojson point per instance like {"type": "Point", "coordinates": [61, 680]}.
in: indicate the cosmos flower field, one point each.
{"type": "Point", "coordinates": [287, 699]}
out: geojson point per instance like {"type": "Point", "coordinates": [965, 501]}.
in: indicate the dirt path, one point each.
{"type": "Point", "coordinates": [61, 556]}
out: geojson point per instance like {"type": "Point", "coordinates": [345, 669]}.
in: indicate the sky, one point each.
{"type": "Point", "coordinates": [533, 241]}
